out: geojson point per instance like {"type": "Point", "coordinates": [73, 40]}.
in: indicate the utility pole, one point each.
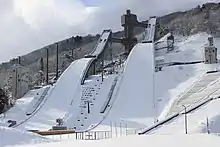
{"type": "Point", "coordinates": [57, 56]}
{"type": "Point", "coordinates": [207, 123]}
{"type": "Point", "coordinates": [185, 119]}
{"type": "Point", "coordinates": [41, 64]}
{"type": "Point", "coordinates": [47, 72]}
{"type": "Point", "coordinates": [154, 99]}
{"type": "Point", "coordinates": [103, 67]}
{"type": "Point", "coordinates": [72, 53]}
{"type": "Point", "coordinates": [19, 60]}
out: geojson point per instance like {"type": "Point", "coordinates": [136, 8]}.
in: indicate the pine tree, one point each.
{"type": "Point", "coordinates": [4, 101]}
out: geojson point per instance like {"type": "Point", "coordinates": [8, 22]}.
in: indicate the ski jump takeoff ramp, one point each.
{"type": "Point", "coordinates": [65, 91]}
{"type": "Point", "coordinates": [132, 98]}
{"type": "Point", "coordinates": [58, 101]}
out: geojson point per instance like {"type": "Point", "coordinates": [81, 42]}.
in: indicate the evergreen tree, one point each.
{"type": "Point", "coordinates": [4, 101]}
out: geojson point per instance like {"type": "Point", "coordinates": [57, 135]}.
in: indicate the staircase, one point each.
{"type": "Point", "coordinates": [88, 96]}
{"type": "Point", "coordinates": [207, 86]}
{"type": "Point", "coordinates": [202, 92]}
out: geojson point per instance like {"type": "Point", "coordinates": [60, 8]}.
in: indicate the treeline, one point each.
{"type": "Point", "coordinates": [5, 102]}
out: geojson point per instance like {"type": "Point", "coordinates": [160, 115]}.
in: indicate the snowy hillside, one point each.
{"type": "Point", "coordinates": [134, 97]}
{"type": "Point", "coordinates": [134, 109]}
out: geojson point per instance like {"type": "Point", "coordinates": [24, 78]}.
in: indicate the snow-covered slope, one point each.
{"type": "Point", "coordinates": [133, 102]}
{"type": "Point", "coordinates": [11, 137]}
{"type": "Point", "coordinates": [24, 105]}
{"type": "Point", "coordinates": [204, 118]}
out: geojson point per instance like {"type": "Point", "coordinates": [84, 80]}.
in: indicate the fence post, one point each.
{"type": "Point", "coordinates": [120, 129]}
{"type": "Point", "coordinates": [116, 133]}
{"type": "Point", "coordinates": [126, 129]}
{"type": "Point", "coordinates": [105, 135]}
{"type": "Point", "coordinates": [95, 135]}
{"type": "Point", "coordinates": [207, 120]}
{"type": "Point", "coordinates": [111, 128]}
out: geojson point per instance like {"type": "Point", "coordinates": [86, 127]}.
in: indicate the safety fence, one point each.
{"type": "Point", "coordinates": [93, 135]}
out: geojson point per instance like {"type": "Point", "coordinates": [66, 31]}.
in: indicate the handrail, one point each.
{"type": "Point", "coordinates": [48, 95]}
{"type": "Point", "coordinates": [25, 120]}
{"type": "Point", "coordinates": [187, 90]}
{"type": "Point", "coordinates": [37, 104]}
{"type": "Point", "coordinates": [150, 31]}
{"type": "Point", "coordinates": [86, 70]}
{"type": "Point", "coordinates": [115, 95]}
{"type": "Point", "coordinates": [91, 55]}
{"type": "Point", "coordinates": [154, 126]}
{"type": "Point", "coordinates": [177, 114]}
{"type": "Point", "coordinates": [98, 42]}
{"type": "Point", "coordinates": [201, 89]}
{"type": "Point", "coordinates": [104, 107]}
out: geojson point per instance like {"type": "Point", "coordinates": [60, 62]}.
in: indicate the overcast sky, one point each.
{"type": "Point", "coordinates": [26, 25]}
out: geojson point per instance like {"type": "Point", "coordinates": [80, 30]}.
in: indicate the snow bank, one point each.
{"type": "Point", "coordinates": [9, 137]}
{"type": "Point", "coordinates": [197, 140]}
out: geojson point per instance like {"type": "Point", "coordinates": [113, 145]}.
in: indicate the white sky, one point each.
{"type": "Point", "coordinates": [26, 25]}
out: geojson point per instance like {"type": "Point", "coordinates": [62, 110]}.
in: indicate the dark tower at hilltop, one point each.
{"type": "Point", "coordinates": [129, 22]}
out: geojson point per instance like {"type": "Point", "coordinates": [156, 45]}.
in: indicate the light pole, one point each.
{"type": "Point", "coordinates": [154, 99]}
{"type": "Point", "coordinates": [88, 106]}
{"type": "Point", "coordinates": [185, 119]}
{"type": "Point", "coordinates": [153, 90]}
{"type": "Point", "coordinates": [57, 60]}
{"type": "Point", "coordinates": [207, 123]}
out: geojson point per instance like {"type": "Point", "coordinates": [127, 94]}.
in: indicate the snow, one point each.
{"type": "Point", "coordinates": [133, 104]}
{"type": "Point", "coordinates": [188, 50]}
{"type": "Point", "coordinates": [9, 137]}
{"type": "Point", "coordinates": [22, 106]}
{"type": "Point", "coordinates": [198, 140]}
{"type": "Point", "coordinates": [209, 87]}
{"type": "Point", "coordinates": [180, 78]}
{"type": "Point", "coordinates": [197, 121]}
{"type": "Point", "coordinates": [131, 107]}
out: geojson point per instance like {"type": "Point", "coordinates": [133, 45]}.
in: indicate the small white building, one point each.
{"type": "Point", "coordinates": [210, 52]}
{"type": "Point", "coordinates": [210, 55]}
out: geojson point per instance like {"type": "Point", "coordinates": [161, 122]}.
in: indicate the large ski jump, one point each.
{"type": "Point", "coordinates": [65, 92]}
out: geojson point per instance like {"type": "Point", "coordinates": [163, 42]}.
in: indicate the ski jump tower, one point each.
{"type": "Point", "coordinates": [129, 22]}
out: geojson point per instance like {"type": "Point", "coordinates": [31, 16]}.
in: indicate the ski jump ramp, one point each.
{"type": "Point", "coordinates": [132, 98]}
{"type": "Point", "coordinates": [150, 30]}
{"type": "Point", "coordinates": [101, 44]}
{"type": "Point", "coordinates": [65, 92]}
{"type": "Point", "coordinates": [60, 98]}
